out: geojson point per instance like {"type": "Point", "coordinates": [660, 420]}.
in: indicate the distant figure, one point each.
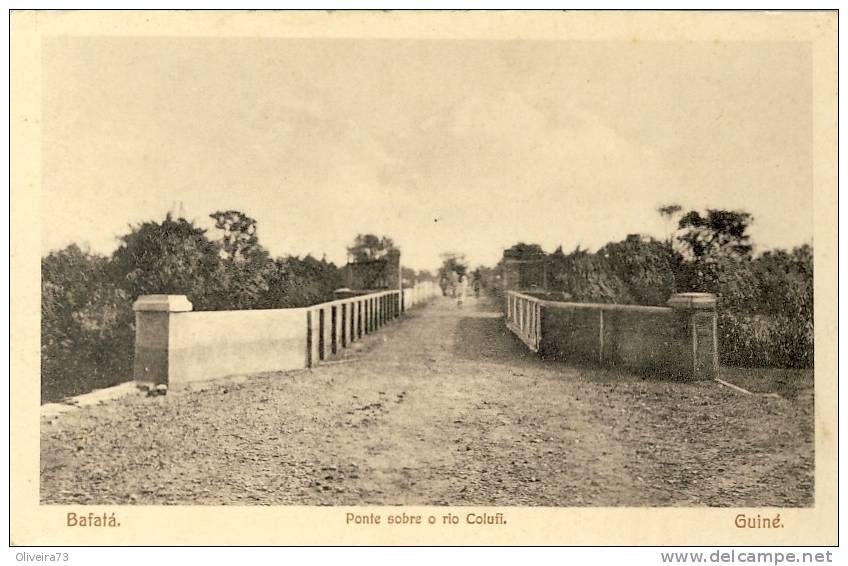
{"type": "Point", "coordinates": [444, 283]}
{"type": "Point", "coordinates": [463, 289]}
{"type": "Point", "coordinates": [476, 284]}
{"type": "Point", "coordinates": [454, 280]}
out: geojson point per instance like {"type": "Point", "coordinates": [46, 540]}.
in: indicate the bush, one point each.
{"type": "Point", "coordinates": [87, 321]}
{"type": "Point", "coordinates": [173, 257]}
{"type": "Point", "coordinates": [587, 278]}
{"type": "Point", "coordinates": [645, 266]}
{"type": "Point", "coordinates": [87, 325]}
{"type": "Point", "coordinates": [764, 341]}
{"type": "Point", "coordinates": [765, 304]}
{"type": "Point", "coordinates": [295, 282]}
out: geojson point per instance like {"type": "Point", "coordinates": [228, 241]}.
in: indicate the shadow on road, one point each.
{"type": "Point", "coordinates": [487, 339]}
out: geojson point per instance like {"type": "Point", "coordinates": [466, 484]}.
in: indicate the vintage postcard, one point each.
{"type": "Point", "coordinates": [423, 278]}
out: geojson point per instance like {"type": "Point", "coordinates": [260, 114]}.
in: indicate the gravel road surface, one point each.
{"type": "Point", "coordinates": [445, 407]}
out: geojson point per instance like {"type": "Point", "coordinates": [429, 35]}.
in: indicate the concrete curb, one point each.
{"type": "Point", "coordinates": [96, 397]}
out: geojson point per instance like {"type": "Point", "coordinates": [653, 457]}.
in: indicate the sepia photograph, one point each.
{"type": "Point", "coordinates": [417, 266]}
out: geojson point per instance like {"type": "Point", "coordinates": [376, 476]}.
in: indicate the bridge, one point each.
{"type": "Point", "coordinates": [384, 399]}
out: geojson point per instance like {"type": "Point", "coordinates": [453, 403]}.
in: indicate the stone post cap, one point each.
{"type": "Point", "coordinates": [693, 301]}
{"type": "Point", "coordinates": [166, 303]}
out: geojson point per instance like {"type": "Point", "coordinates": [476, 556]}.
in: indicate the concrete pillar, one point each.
{"type": "Point", "coordinates": [152, 336]}
{"type": "Point", "coordinates": [699, 310]}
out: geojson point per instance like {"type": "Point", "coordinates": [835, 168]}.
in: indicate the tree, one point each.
{"type": "Point", "coordinates": [524, 251]}
{"type": "Point", "coordinates": [171, 257]}
{"type": "Point", "coordinates": [668, 212]}
{"type": "Point", "coordinates": [408, 276]}
{"type": "Point", "coordinates": [239, 239]}
{"type": "Point", "coordinates": [453, 262]}
{"type": "Point", "coordinates": [720, 232]}
{"type": "Point", "coordinates": [295, 282]}
{"type": "Point", "coordinates": [86, 325]}
{"type": "Point", "coordinates": [425, 275]}
{"type": "Point", "coordinates": [243, 273]}
{"type": "Point", "coordinates": [785, 295]}
{"type": "Point", "coordinates": [587, 277]}
{"type": "Point", "coordinates": [646, 266]}
{"type": "Point", "coordinates": [367, 247]}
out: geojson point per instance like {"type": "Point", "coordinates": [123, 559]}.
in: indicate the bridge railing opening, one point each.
{"type": "Point", "coordinates": [524, 318]}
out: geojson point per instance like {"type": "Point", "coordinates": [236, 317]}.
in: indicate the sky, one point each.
{"type": "Point", "coordinates": [443, 145]}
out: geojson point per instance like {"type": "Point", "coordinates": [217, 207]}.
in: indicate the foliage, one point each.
{"type": "Point", "coordinates": [765, 313]}
{"type": "Point", "coordinates": [242, 276]}
{"type": "Point", "coordinates": [453, 262]}
{"type": "Point", "coordinates": [490, 280]}
{"type": "Point", "coordinates": [366, 247]}
{"type": "Point", "coordinates": [587, 277]}
{"type": "Point", "coordinates": [295, 282]}
{"type": "Point", "coordinates": [172, 257]}
{"type": "Point", "coordinates": [408, 276]}
{"type": "Point", "coordinates": [718, 233]}
{"type": "Point", "coordinates": [766, 308]}
{"type": "Point", "coordinates": [87, 319]}
{"type": "Point", "coordinates": [524, 251]}
{"type": "Point", "coordinates": [87, 324]}
{"type": "Point", "coordinates": [239, 239]}
{"type": "Point", "coordinates": [645, 266]}
{"type": "Point", "coordinates": [669, 210]}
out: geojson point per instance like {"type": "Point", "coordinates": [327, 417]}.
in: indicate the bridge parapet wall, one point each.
{"type": "Point", "coordinates": [420, 293]}
{"type": "Point", "coordinates": [175, 345]}
{"type": "Point", "coordinates": [679, 340]}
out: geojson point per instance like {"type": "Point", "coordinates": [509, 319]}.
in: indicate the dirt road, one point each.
{"type": "Point", "coordinates": [444, 407]}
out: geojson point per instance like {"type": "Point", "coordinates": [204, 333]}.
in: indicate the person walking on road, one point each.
{"type": "Point", "coordinates": [444, 283]}
{"type": "Point", "coordinates": [462, 290]}
{"type": "Point", "coordinates": [454, 281]}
